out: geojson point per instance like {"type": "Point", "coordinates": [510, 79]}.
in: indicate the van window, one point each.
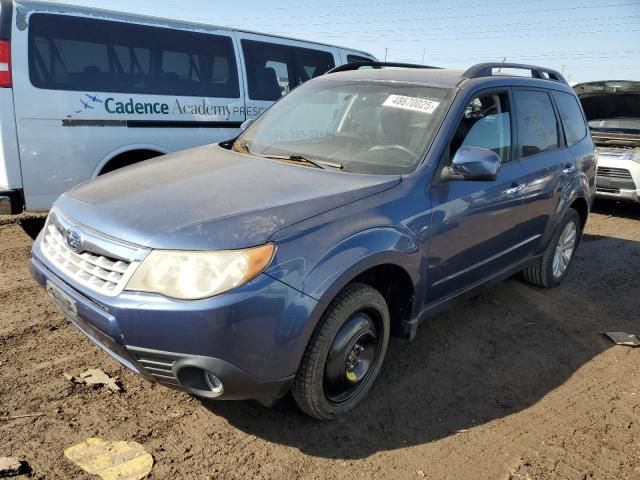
{"type": "Point", "coordinates": [537, 125]}
{"type": "Point", "coordinates": [75, 53]}
{"type": "Point", "coordinates": [357, 58]}
{"type": "Point", "coordinates": [571, 116]}
{"type": "Point", "coordinates": [274, 69]}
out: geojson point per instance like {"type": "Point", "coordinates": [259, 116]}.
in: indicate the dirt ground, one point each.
{"type": "Point", "coordinates": [516, 383]}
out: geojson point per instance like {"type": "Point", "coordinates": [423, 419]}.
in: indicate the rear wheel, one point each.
{"type": "Point", "coordinates": [345, 353]}
{"type": "Point", "coordinates": [552, 267]}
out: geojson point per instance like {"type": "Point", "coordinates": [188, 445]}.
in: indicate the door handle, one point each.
{"type": "Point", "coordinates": [514, 189]}
{"type": "Point", "coordinates": [568, 169]}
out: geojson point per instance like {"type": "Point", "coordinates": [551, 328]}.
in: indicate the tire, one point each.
{"type": "Point", "coordinates": [329, 365]}
{"type": "Point", "coordinates": [542, 273]}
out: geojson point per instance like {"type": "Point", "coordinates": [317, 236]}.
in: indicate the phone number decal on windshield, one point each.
{"type": "Point", "coordinates": [411, 103]}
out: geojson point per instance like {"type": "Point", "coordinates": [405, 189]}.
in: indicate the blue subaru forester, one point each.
{"type": "Point", "coordinates": [358, 205]}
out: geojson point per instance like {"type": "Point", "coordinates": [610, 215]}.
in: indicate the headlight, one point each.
{"type": "Point", "coordinates": [191, 275]}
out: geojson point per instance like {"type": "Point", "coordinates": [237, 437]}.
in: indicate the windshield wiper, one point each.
{"type": "Point", "coordinates": [301, 158]}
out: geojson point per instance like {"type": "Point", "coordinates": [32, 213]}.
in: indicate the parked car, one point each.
{"type": "Point", "coordinates": [85, 91]}
{"type": "Point", "coordinates": [358, 205]}
{"type": "Point", "coordinates": [613, 111]}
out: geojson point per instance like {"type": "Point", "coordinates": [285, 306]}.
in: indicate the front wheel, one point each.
{"type": "Point", "coordinates": [554, 264]}
{"type": "Point", "coordinates": [345, 353]}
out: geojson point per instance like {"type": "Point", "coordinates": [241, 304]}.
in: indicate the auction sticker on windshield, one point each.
{"type": "Point", "coordinates": [411, 103]}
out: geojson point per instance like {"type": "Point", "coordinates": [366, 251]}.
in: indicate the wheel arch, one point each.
{"type": "Point", "coordinates": [129, 150]}
{"type": "Point", "coordinates": [581, 205]}
{"type": "Point", "coordinates": [385, 258]}
{"type": "Point", "coordinates": [574, 196]}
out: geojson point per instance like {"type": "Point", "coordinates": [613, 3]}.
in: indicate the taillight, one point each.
{"type": "Point", "coordinates": [5, 63]}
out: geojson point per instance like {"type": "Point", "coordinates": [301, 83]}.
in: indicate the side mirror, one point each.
{"type": "Point", "coordinates": [244, 125]}
{"type": "Point", "coordinates": [473, 163]}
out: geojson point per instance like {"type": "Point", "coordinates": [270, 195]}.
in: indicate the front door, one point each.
{"type": "Point", "coordinates": [477, 225]}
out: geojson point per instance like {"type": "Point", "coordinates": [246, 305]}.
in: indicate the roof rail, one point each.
{"type": "Point", "coordinates": [486, 70]}
{"type": "Point", "coordinates": [374, 64]}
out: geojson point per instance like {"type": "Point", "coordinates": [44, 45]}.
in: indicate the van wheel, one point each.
{"type": "Point", "coordinates": [554, 264]}
{"type": "Point", "coordinates": [345, 353]}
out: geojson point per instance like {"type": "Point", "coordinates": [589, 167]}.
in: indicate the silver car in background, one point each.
{"type": "Point", "coordinates": [613, 111]}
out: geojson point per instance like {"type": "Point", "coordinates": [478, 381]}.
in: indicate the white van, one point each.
{"type": "Point", "coordinates": [85, 91]}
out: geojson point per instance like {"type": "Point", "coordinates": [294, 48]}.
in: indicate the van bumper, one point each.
{"type": "Point", "coordinates": [10, 202]}
{"type": "Point", "coordinates": [251, 340]}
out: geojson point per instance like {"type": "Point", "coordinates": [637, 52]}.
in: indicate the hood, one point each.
{"type": "Point", "coordinates": [210, 198]}
{"type": "Point", "coordinates": [611, 99]}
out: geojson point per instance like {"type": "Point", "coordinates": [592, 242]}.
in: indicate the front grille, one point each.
{"type": "Point", "coordinates": [159, 366]}
{"type": "Point", "coordinates": [614, 172]}
{"type": "Point", "coordinates": [99, 273]}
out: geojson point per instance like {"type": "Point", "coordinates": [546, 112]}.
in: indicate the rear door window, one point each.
{"type": "Point", "coordinates": [571, 116]}
{"type": "Point", "coordinates": [537, 124]}
{"type": "Point", "coordinates": [85, 54]}
{"type": "Point", "coordinates": [274, 69]}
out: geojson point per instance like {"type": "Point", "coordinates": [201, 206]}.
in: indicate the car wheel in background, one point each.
{"type": "Point", "coordinates": [552, 267]}
{"type": "Point", "coordinates": [345, 353]}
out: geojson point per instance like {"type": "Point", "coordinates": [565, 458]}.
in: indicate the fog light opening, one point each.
{"type": "Point", "coordinates": [214, 383]}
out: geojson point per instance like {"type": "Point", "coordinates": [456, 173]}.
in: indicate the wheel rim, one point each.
{"type": "Point", "coordinates": [352, 357]}
{"type": "Point", "coordinates": [564, 249]}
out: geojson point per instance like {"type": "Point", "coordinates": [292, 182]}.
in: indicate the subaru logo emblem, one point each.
{"type": "Point", "coordinates": [73, 239]}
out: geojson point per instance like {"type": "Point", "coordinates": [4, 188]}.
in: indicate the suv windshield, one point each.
{"type": "Point", "coordinates": [364, 127]}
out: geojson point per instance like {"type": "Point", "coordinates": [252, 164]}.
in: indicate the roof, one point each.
{"type": "Point", "coordinates": [53, 6]}
{"type": "Point", "coordinates": [426, 76]}
{"type": "Point", "coordinates": [439, 77]}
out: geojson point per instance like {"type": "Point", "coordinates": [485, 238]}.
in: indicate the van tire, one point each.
{"type": "Point", "coordinates": [541, 273]}
{"type": "Point", "coordinates": [355, 302]}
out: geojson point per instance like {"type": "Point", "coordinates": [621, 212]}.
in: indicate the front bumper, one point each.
{"type": "Point", "coordinates": [618, 193]}
{"type": "Point", "coordinates": [252, 339]}
{"type": "Point", "coordinates": [618, 179]}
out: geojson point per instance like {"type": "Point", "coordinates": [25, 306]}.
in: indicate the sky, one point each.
{"type": "Point", "coordinates": [587, 40]}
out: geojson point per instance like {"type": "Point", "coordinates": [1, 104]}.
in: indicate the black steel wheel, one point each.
{"type": "Point", "coordinates": [345, 353]}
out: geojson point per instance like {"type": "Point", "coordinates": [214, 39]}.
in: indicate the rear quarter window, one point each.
{"type": "Point", "coordinates": [83, 54]}
{"type": "Point", "coordinates": [357, 58]}
{"type": "Point", "coordinates": [573, 123]}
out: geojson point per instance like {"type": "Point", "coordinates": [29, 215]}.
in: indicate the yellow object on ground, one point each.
{"type": "Point", "coordinates": [111, 460]}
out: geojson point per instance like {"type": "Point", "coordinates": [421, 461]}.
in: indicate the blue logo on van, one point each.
{"type": "Point", "coordinates": [88, 102]}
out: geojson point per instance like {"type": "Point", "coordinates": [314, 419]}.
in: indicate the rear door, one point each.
{"type": "Point", "coordinates": [274, 66]}
{"type": "Point", "coordinates": [88, 88]}
{"type": "Point", "coordinates": [548, 164]}
{"type": "Point", "coordinates": [10, 176]}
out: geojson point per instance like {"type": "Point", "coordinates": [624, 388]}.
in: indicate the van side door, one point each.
{"type": "Point", "coordinates": [88, 88]}
{"type": "Point", "coordinates": [273, 66]}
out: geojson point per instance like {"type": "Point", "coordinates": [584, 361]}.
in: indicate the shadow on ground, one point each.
{"type": "Point", "coordinates": [614, 208]}
{"type": "Point", "coordinates": [32, 225]}
{"type": "Point", "coordinates": [497, 354]}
